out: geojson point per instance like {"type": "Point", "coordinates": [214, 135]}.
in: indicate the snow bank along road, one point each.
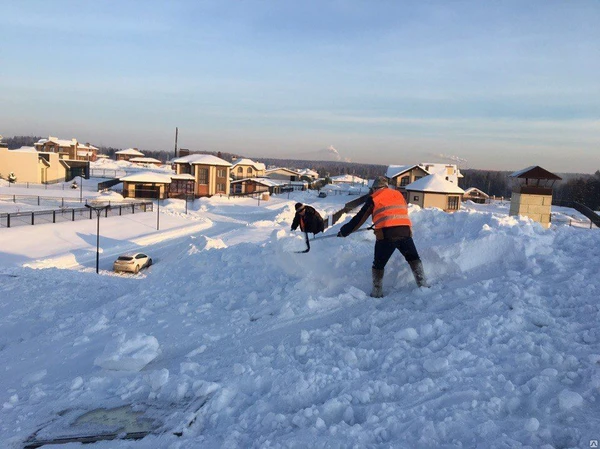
{"type": "Point", "coordinates": [288, 350]}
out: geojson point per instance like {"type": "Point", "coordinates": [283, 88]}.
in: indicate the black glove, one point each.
{"type": "Point", "coordinates": [339, 234]}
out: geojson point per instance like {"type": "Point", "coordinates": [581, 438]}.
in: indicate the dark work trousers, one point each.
{"type": "Point", "coordinates": [385, 248]}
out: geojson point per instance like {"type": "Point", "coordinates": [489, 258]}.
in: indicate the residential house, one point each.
{"type": "Point", "coordinates": [146, 185]}
{"type": "Point", "coordinates": [145, 161]}
{"type": "Point", "coordinates": [283, 174]}
{"type": "Point", "coordinates": [348, 179]}
{"type": "Point", "coordinates": [475, 195]}
{"type": "Point", "coordinates": [257, 185]}
{"type": "Point", "coordinates": [308, 173]}
{"type": "Point", "coordinates": [247, 168]}
{"type": "Point", "coordinates": [129, 153]}
{"type": "Point", "coordinates": [211, 174]}
{"type": "Point", "coordinates": [30, 165]}
{"type": "Point", "coordinates": [399, 176]}
{"type": "Point", "coordinates": [532, 194]}
{"type": "Point", "coordinates": [67, 149]}
{"type": "Point", "coordinates": [435, 191]}
{"type": "Point", "coordinates": [449, 172]}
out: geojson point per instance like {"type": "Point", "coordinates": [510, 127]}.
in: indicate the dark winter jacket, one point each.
{"type": "Point", "coordinates": [308, 219]}
{"type": "Point", "coordinates": [392, 233]}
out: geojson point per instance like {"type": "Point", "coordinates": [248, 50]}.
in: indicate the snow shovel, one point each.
{"type": "Point", "coordinates": [325, 237]}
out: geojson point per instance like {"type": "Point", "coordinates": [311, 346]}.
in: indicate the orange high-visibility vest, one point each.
{"type": "Point", "coordinates": [390, 209]}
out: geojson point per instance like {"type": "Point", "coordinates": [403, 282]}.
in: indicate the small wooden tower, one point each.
{"type": "Point", "coordinates": [532, 194]}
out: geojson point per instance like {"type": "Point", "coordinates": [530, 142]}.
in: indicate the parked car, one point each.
{"type": "Point", "coordinates": [322, 195]}
{"type": "Point", "coordinates": [132, 262]}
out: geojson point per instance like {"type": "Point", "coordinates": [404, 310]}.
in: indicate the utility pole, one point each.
{"type": "Point", "coordinates": [176, 134]}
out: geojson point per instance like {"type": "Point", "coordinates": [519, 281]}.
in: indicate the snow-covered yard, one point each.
{"type": "Point", "coordinates": [233, 340]}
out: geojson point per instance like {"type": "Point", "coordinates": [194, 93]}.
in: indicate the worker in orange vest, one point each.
{"type": "Point", "coordinates": [393, 230]}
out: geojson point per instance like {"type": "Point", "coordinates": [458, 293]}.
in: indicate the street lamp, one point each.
{"type": "Point", "coordinates": [98, 210]}
{"type": "Point", "coordinates": [81, 188]}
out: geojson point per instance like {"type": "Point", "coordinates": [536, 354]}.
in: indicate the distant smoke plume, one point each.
{"type": "Point", "coordinates": [450, 157]}
{"type": "Point", "coordinates": [326, 154]}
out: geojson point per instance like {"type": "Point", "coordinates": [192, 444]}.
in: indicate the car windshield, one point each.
{"type": "Point", "coordinates": [127, 258]}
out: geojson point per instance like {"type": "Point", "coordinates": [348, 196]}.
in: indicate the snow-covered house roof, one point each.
{"type": "Point", "coordinates": [148, 177]}
{"type": "Point", "coordinates": [440, 169]}
{"type": "Point", "coordinates": [59, 142]}
{"type": "Point", "coordinates": [348, 179]}
{"type": "Point", "coordinates": [26, 150]}
{"type": "Point", "coordinates": [534, 172]}
{"type": "Point", "coordinates": [130, 152]}
{"type": "Point", "coordinates": [434, 184]}
{"type": "Point", "coordinates": [262, 181]}
{"type": "Point", "coordinates": [102, 156]}
{"type": "Point", "coordinates": [250, 162]}
{"type": "Point", "coordinates": [310, 173]}
{"type": "Point", "coordinates": [396, 170]}
{"type": "Point", "coordinates": [184, 176]}
{"type": "Point", "coordinates": [145, 160]}
{"type": "Point", "coordinates": [203, 159]}
{"type": "Point", "coordinates": [476, 192]}
{"type": "Point", "coordinates": [278, 169]}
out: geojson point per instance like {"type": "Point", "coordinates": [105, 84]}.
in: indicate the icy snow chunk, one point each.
{"type": "Point", "coordinates": [408, 334]}
{"type": "Point", "coordinates": [158, 379]}
{"type": "Point", "coordinates": [99, 326]}
{"type": "Point", "coordinates": [568, 399]}
{"type": "Point", "coordinates": [129, 355]}
{"type": "Point", "coordinates": [34, 377]}
{"type": "Point", "coordinates": [77, 383]}
{"type": "Point", "coordinates": [532, 425]}
{"type": "Point", "coordinates": [436, 365]}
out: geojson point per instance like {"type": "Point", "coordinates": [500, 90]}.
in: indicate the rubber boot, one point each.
{"type": "Point", "coordinates": [377, 291]}
{"type": "Point", "coordinates": [418, 272]}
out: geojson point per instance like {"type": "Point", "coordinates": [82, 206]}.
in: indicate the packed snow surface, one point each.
{"type": "Point", "coordinates": [231, 339]}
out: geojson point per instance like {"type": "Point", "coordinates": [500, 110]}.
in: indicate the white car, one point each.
{"type": "Point", "coordinates": [132, 262]}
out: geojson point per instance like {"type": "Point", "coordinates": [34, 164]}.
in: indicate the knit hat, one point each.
{"type": "Point", "coordinates": [298, 206]}
{"type": "Point", "coordinates": [380, 182]}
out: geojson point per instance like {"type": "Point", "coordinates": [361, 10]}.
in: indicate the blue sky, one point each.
{"type": "Point", "coordinates": [499, 84]}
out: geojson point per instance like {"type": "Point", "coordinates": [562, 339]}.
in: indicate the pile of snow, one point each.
{"type": "Point", "coordinates": [280, 348]}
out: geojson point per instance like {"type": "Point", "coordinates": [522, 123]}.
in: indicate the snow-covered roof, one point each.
{"type": "Point", "coordinates": [395, 170]}
{"type": "Point", "coordinates": [475, 190]}
{"type": "Point", "coordinates": [309, 172]}
{"type": "Point", "coordinates": [145, 160]}
{"type": "Point", "coordinates": [102, 156]}
{"type": "Point", "coordinates": [204, 159]}
{"type": "Point", "coordinates": [184, 176]}
{"type": "Point", "coordinates": [149, 177]}
{"type": "Point", "coordinates": [350, 179]}
{"type": "Point", "coordinates": [130, 152]}
{"type": "Point", "coordinates": [263, 181]}
{"type": "Point", "coordinates": [250, 162]}
{"type": "Point", "coordinates": [433, 167]}
{"type": "Point", "coordinates": [434, 183]}
{"type": "Point", "coordinates": [535, 172]}
{"type": "Point", "coordinates": [289, 170]}
{"type": "Point", "coordinates": [84, 153]}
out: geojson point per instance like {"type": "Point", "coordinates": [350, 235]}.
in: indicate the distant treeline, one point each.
{"type": "Point", "coordinates": [582, 188]}
{"type": "Point", "coordinates": [20, 141]}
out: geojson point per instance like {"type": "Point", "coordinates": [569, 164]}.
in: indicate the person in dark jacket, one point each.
{"type": "Point", "coordinates": [393, 230]}
{"type": "Point", "coordinates": [308, 219]}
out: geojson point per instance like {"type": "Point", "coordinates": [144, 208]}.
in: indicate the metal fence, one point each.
{"type": "Point", "coordinates": [9, 220]}
{"type": "Point", "coordinates": [39, 200]}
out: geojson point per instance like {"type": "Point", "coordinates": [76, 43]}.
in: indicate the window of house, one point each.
{"type": "Point", "coordinates": [404, 181]}
{"type": "Point", "coordinates": [417, 178]}
{"type": "Point", "coordinates": [240, 170]}
{"type": "Point", "coordinates": [221, 173]}
{"type": "Point", "coordinates": [220, 187]}
{"type": "Point", "coordinates": [416, 198]}
{"type": "Point", "coordinates": [202, 175]}
{"type": "Point", "coordinates": [453, 202]}
{"type": "Point", "coordinates": [249, 170]}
